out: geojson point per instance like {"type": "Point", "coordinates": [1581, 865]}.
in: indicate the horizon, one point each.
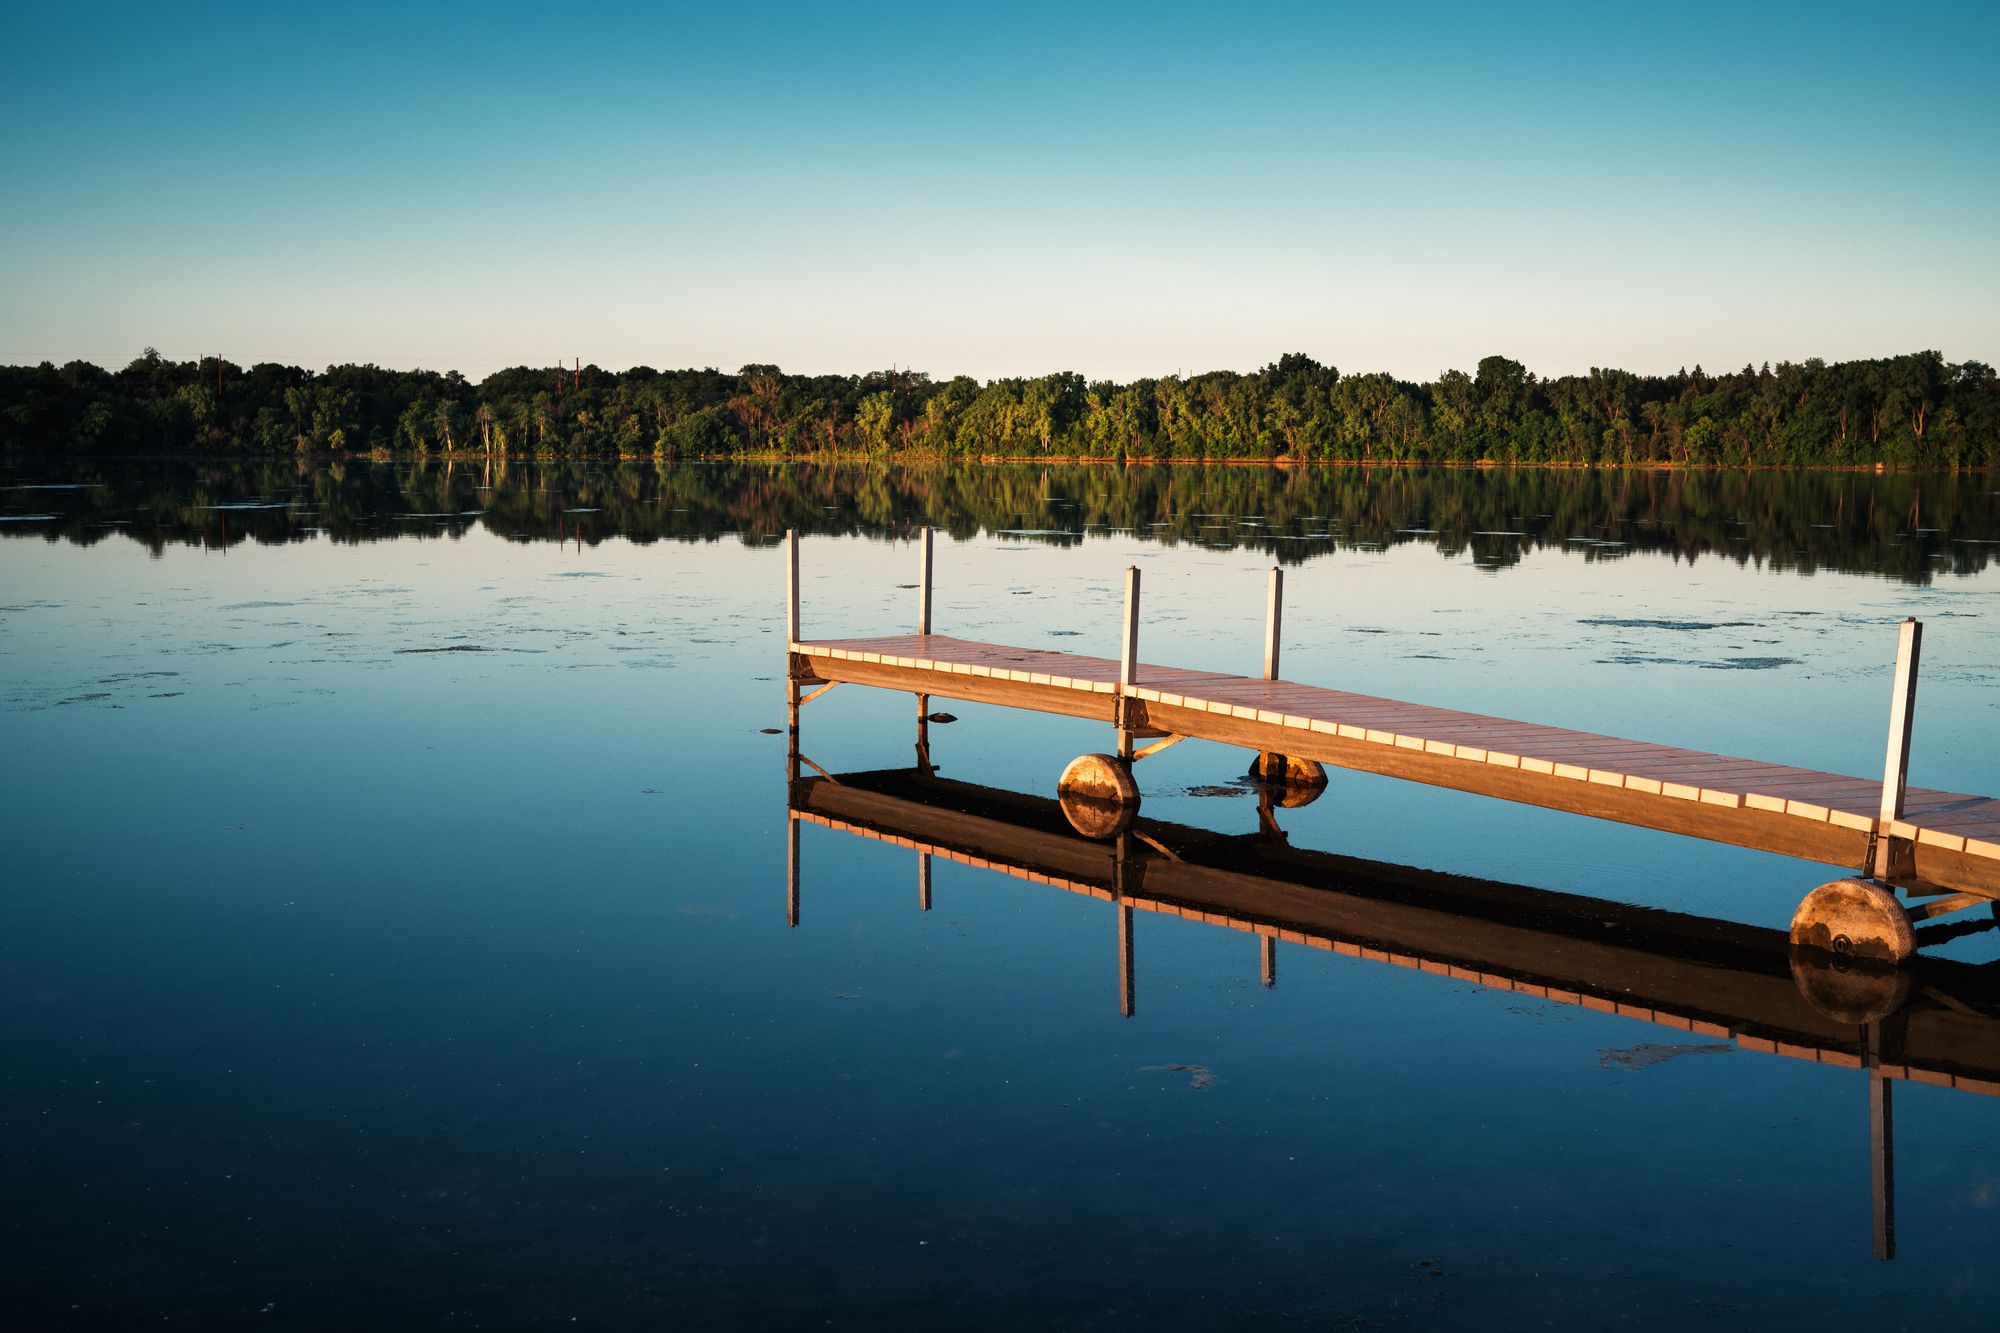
{"type": "Point", "coordinates": [1766, 365]}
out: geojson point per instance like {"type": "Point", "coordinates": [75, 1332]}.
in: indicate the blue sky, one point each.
{"type": "Point", "coordinates": [1000, 189]}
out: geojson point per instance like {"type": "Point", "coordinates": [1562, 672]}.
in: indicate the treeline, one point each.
{"type": "Point", "coordinates": [1906, 411]}
{"type": "Point", "coordinates": [1903, 525]}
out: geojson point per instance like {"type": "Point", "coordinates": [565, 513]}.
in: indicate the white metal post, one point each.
{"type": "Point", "coordinates": [1902, 714]}
{"type": "Point", "coordinates": [1128, 662]}
{"type": "Point", "coordinates": [1128, 659]}
{"type": "Point", "coordinates": [1273, 614]}
{"type": "Point", "coordinates": [791, 641]}
{"type": "Point", "coordinates": [924, 587]}
{"type": "Point", "coordinates": [791, 587]}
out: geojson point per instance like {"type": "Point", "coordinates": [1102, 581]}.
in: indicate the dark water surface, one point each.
{"type": "Point", "coordinates": [395, 921]}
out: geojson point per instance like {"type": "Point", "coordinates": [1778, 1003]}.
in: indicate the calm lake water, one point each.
{"type": "Point", "coordinates": [395, 923]}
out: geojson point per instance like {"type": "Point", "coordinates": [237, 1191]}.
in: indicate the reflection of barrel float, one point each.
{"type": "Point", "coordinates": [1850, 990]}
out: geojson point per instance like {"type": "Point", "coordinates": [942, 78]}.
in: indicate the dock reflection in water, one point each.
{"type": "Point", "coordinates": [1936, 1023]}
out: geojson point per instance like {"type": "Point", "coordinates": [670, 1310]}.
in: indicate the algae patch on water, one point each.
{"type": "Point", "coordinates": [1200, 1077]}
{"type": "Point", "coordinates": [1647, 1054]}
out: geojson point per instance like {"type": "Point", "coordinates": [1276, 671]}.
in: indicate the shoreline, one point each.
{"type": "Point", "coordinates": [924, 461]}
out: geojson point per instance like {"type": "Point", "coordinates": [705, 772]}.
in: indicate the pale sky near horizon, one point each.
{"type": "Point", "coordinates": [1122, 189]}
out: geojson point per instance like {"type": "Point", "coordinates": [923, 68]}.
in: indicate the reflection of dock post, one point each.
{"type": "Point", "coordinates": [792, 870]}
{"type": "Point", "coordinates": [1881, 1145]}
{"type": "Point", "coordinates": [1267, 810]}
{"type": "Point", "coordinates": [1127, 988]}
{"type": "Point", "coordinates": [1881, 1175]}
{"type": "Point", "coordinates": [1128, 660]}
{"type": "Point", "coordinates": [1896, 767]}
{"type": "Point", "coordinates": [1267, 949]}
{"type": "Point", "coordinates": [924, 881]}
{"type": "Point", "coordinates": [1128, 1003]}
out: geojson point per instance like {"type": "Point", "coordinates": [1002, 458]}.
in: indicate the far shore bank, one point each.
{"type": "Point", "coordinates": [925, 461]}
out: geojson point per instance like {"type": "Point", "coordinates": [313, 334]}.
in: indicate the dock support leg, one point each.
{"type": "Point", "coordinates": [792, 735]}
{"type": "Point", "coordinates": [1097, 791]}
{"type": "Point", "coordinates": [791, 643]}
{"type": "Point", "coordinates": [1128, 654]}
{"type": "Point", "coordinates": [1896, 767]}
{"type": "Point", "coordinates": [1269, 765]}
{"type": "Point", "coordinates": [1267, 957]}
{"type": "Point", "coordinates": [924, 627]}
{"type": "Point", "coordinates": [792, 723]}
{"type": "Point", "coordinates": [1298, 775]}
{"type": "Point", "coordinates": [924, 881]}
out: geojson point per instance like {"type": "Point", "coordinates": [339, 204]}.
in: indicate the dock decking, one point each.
{"type": "Point", "coordinates": [1827, 817]}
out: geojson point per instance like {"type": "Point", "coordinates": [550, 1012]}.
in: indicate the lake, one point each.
{"type": "Point", "coordinates": [396, 927]}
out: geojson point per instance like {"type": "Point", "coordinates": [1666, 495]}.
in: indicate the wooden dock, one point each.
{"type": "Point", "coordinates": [1940, 849]}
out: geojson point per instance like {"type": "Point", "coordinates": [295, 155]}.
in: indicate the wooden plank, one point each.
{"type": "Point", "coordinates": [1919, 801]}
{"type": "Point", "coordinates": [1958, 821]}
{"type": "Point", "coordinates": [1008, 693]}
